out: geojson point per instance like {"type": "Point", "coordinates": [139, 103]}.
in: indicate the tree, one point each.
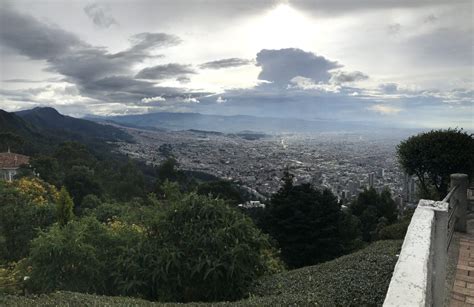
{"type": "Point", "coordinates": [64, 207]}
{"type": "Point", "coordinates": [10, 141]}
{"type": "Point", "coordinates": [200, 249]}
{"type": "Point", "coordinates": [48, 169]}
{"type": "Point", "coordinates": [304, 221]}
{"type": "Point", "coordinates": [221, 189]}
{"type": "Point", "coordinates": [130, 182]}
{"type": "Point", "coordinates": [374, 210]}
{"type": "Point", "coordinates": [81, 256]}
{"type": "Point", "coordinates": [81, 181]}
{"type": "Point", "coordinates": [21, 216]}
{"type": "Point", "coordinates": [433, 156]}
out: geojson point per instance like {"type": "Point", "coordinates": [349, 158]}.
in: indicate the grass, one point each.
{"type": "Point", "coordinates": [358, 279]}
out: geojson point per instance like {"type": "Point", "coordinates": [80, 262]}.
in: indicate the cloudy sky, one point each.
{"type": "Point", "coordinates": [406, 62]}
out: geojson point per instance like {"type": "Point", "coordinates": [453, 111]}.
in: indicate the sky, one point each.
{"type": "Point", "coordinates": [406, 63]}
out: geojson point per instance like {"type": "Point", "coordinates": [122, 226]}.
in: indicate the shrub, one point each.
{"type": "Point", "coordinates": [201, 250]}
{"type": "Point", "coordinates": [80, 256]}
{"type": "Point", "coordinates": [20, 218]}
{"type": "Point", "coordinates": [395, 231]}
{"type": "Point", "coordinates": [358, 279]}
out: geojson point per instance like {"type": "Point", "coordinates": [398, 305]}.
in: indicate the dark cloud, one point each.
{"type": "Point", "coordinates": [280, 66]}
{"type": "Point", "coordinates": [99, 16]}
{"type": "Point", "coordinates": [34, 39]}
{"type": "Point", "coordinates": [96, 73]}
{"type": "Point", "coordinates": [339, 76]}
{"type": "Point", "coordinates": [431, 19]}
{"type": "Point", "coordinates": [49, 80]}
{"type": "Point", "coordinates": [394, 28]}
{"type": "Point", "coordinates": [447, 45]}
{"type": "Point", "coordinates": [167, 71]}
{"type": "Point", "coordinates": [129, 90]}
{"type": "Point", "coordinates": [144, 43]}
{"type": "Point", "coordinates": [389, 88]}
{"type": "Point", "coordinates": [225, 63]}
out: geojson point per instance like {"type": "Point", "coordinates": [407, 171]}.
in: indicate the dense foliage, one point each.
{"type": "Point", "coordinates": [433, 156]}
{"type": "Point", "coordinates": [359, 279]}
{"type": "Point", "coordinates": [25, 208]}
{"type": "Point", "coordinates": [374, 212]}
{"type": "Point", "coordinates": [201, 250]}
{"type": "Point", "coordinates": [306, 224]}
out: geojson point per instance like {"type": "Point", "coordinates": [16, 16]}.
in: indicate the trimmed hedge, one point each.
{"type": "Point", "coordinates": [358, 279]}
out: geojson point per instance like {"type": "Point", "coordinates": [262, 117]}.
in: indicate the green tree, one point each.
{"type": "Point", "coordinates": [221, 189]}
{"type": "Point", "coordinates": [200, 249]}
{"type": "Point", "coordinates": [81, 181]}
{"type": "Point", "coordinates": [20, 220]}
{"type": "Point", "coordinates": [81, 256]}
{"type": "Point", "coordinates": [48, 169]}
{"type": "Point", "coordinates": [129, 183]}
{"type": "Point", "coordinates": [10, 141]}
{"type": "Point", "coordinates": [433, 156]}
{"type": "Point", "coordinates": [64, 208]}
{"type": "Point", "coordinates": [374, 210]}
{"type": "Point", "coordinates": [70, 154]}
{"type": "Point", "coordinates": [304, 221]}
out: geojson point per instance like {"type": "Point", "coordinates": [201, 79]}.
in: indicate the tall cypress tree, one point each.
{"type": "Point", "coordinates": [64, 207]}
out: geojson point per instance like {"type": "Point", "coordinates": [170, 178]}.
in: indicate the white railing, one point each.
{"type": "Point", "coordinates": [419, 277]}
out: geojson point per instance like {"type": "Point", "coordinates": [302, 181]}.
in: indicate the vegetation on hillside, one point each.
{"type": "Point", "coordinates": [82, 218]}
{"type": "Point", "coordinates": [358, 279]}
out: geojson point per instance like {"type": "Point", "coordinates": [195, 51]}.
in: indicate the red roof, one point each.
{"type": "Point", "coordinates": [12, 160]}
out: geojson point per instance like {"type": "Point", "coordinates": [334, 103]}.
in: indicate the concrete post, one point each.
{"type": "Point", "coordinates": [440, 254]}
{"type": "Point", "coordinates": [460, 197]}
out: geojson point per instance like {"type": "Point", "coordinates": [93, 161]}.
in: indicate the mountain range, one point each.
{"type": "Point", "coordinates": [43, 127]}
{"type": "Point", "coordinates": [236, 123]}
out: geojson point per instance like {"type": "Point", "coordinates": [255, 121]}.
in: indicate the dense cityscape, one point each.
{"type": "Point", "coordinates": [345, 163]}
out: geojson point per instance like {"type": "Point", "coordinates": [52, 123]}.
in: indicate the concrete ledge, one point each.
{"type": "Point", "coordinates": [411, 281]}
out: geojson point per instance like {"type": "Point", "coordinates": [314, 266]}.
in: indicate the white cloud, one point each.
{"type": "Point", "coordinates": [153, 99]}
{"type": "Point", "coordinates": [190, 100]}
{"type": "Point", "coordinates": [384, 109]}
{"type": "Point", "coordinates": [309, 84]}
{"type": "Point", "coordinates": [220, 99]}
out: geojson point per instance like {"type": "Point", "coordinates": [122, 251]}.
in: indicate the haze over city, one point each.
{"type": "Point", "coordinates": [393, 63]}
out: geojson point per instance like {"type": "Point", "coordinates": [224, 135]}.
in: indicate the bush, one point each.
{"type": "Point", "coordinates": [21, 215]}
{"type": "Point", "coordinates": [80, 256]}
{"type": "Point", "coordinates": [201, 250]}
{"type": "Point", "coordinates": [358, 279]}
{"type": "Point", "coordinates": [395, 231]}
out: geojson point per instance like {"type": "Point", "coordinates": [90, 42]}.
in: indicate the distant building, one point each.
{"type": "Point", "coordinates": [252, 204]}
{"type": "Point", "coordinates": [371, 180]}
{"type": "Point", "coordinates": [381, 173]}
{"type": "Point", "coordinates": [410, 189]}
{"type": "Point", "coordinates": [10, 163]}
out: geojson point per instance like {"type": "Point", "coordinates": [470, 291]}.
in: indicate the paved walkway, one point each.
{"type": "Point", "coordinates": [462, 293]}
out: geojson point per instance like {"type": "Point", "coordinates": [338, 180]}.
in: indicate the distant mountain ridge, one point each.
{"type": "Point", "coordinates": [41, 128]}
{"type": "Point", "coordinates": [49, 119]}
{"type": "Point", "coordinates": [234, 123]}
